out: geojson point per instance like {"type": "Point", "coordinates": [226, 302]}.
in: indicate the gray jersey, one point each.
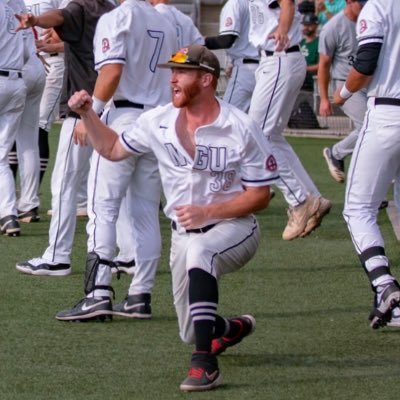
{"type": "Point", "coordinates": [338, 41]}
{"type": "Point", "coordinates": [373, 27]}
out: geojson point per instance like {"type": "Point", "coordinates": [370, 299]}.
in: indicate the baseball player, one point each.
{"type": "Point", "coordinates": [186, 31]}
{"type": "Point", "coordinates": [338, 48]}
{"type": "Point", "coordinates": [127, 44]}
{"type": "Point", "coordinates": [34, 77]}
{"type": "Point", "coordinates": [216, 167]}
{"type": "Point", "coordinates": [275, 32]}
{"type": "Point", "coordinates": [244, 57]}
{"type": "Point", "coordinates": [53, 55]}
{"type": "Point", "coordinates": [75, 25]}
{"type": "Point", "coordinates": [376, 158]}
{"type": "Point", "coordinates": [14, 51]}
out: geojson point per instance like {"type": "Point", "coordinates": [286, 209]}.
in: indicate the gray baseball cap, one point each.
{"type": "Point", "coordinates": [194, 56]}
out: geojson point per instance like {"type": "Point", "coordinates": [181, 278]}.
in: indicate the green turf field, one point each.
{"type": "Point", "coordinates": [310, 297]}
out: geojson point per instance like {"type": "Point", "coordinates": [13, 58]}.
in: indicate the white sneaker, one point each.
{"type": "Point", "coordinates": [299, 216]}
{"type": "Point", "coordinates": [395, 321]}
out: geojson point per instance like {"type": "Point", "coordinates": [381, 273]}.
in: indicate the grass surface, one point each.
{"type": "Point", "coordinates": [310, 297]}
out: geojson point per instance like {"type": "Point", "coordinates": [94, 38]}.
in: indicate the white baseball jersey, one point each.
{"type": "Point", "coordinates": [186, 31]}
{"type": "Point", "coordinates": [230, 152]}
{"type": "Point", "coordinates": [152, 44]}
{"type": "Point", "coordinates": [373, 27]}
{"type": "Point", "coordinates": [37, 7]}
{"type": "Point", "coordinates": [264, 19]}
{"type": "Point", "coordinates": [235, 20]}
{"type": "Point", "coordinates": [12, 46]}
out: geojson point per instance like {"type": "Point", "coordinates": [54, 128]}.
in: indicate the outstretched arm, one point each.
{"type": "Point", "coordinates": [48, 19]}
{"type": "Point", "coordinates": [104, 140]}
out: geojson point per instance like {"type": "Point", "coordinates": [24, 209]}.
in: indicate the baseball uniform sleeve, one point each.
{"type": "Point", "coordinates": [327, 40]}
{"type": "Point", "coordinates": [109, 40]}
{"type": "Point", "coordinates": [229, 19]}
{"type": "Point", "coordinates": [137, 139]}
{"type": "Point", "coordinates": [258, 167]}
{"type": "Point", "coordinates": [370, 25]}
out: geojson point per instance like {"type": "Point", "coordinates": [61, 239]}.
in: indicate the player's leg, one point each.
{"type": "Point", "coordinates": [373, 166]}
{"type": "Point", "coordinates": [278, 83]}
{"type": "Point", "coordinates": [142, 214]}
{"type": "Point", "coordinates": [72, 162]}
{"type": "Point", "coordinates": [107, 185]}
{"type": "Point", "coordinates": [355, 108]}
{"type": "Point", "coordinates": [241, 85]}
{"type": "Point", "coordinates": [12, 99]}
{"type": "Point", "coordinates": [49, 107]}
{"type": "Point", "coordinates": [195, 269]}
{"type": "Point", "coordinates": [27, 142]}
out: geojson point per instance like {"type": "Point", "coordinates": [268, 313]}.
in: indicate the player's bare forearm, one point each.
{"type": "Point", "coordinates": [48, 19]}
{"type": "Point", "coordinates": [354, 82]}
{"type": "Point", "coordinates": [323, 76]}
{"type": "Point", "coordinates": [251, 200]}
{"type": "Point", "coordinates": [288, 8]}
{"type": "Point", "coordinates": [103, 139]}
{"type": "Point", "coordinates": [285, 22]}
{"type": "Point", "coordinates": [108, 81]}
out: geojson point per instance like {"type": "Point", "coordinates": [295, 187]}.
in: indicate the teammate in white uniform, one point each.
{"type": "Point", "coordinates": [234, 24]}
{"type": "Point", "coordinates": [75, 25]}
{"type": "Point", "coordinates": [49, 104]}
{"type": "Point", "coordinates": [376, 158]}
{"type": "Point", "coordinates": [14, 52]}
{"type": "Point", "coordinates": [128, 43]}
{"type": "Point", "coordinates": [275, 31]}
{"type": "Point", "coordinates": [186, 31]}
{"type": "Point", "coordinates": [28, 132]}
{"type": "Point", "coordinates": [215, 167]}
{"type": "Point", "coordinates": [337, 49]}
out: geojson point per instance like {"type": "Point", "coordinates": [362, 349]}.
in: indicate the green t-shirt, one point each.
{"type": "Point", "coordinates": [310, 52]}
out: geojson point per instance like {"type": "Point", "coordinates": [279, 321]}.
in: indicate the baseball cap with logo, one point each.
{"type": "Point", "coordinates": [194, 56]}
{"type": "Point", "coordinates": [309, 19]}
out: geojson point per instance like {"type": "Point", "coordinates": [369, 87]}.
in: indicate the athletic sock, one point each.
{"type": "Point", "coordinates": [44, 152]}
{"type": "Point", "coordinates": [203, 302]}
{"type": "Point", "coordinates": [13, 160]}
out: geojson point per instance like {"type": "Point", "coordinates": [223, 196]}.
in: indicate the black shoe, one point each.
{"type": "Point", "coordinates": [29, 216]}
{"type": "Point", "coordinates": [387, 300]}
{"type": "Point", "coordinates": [9, 226]}
{"type": "Point", "coordinates": [247, 326]}
{"type": "Point", "coordinates": [203, 373]}
{"type": "Point", "coordinates": [40, 266]}
{"type": "Point", "coordinates": [127, 267]}
{"type": "Point", "coordinates": [383, 205]}
{"type": "Point", "coordinates": [134, 306]}
{"type": "Point", "coordinates": [335, 166]}
{"type": "Point", "coordinates": [88, 309]}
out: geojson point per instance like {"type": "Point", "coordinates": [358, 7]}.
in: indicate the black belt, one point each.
{"type": "Point", "coordinates": [127, 104]}
{"type": "Point", "coordinates": [7, 73]}
{"type": "Point", "coordinates": [387, 101]}
{"type": "Point", "coordinates": [292, 49]}
{"type": "Point", "coordinates": [53, 54]}
{"type": "Point", "coordinates": [250, 61]}
{"type": "Point", "coordinates": [204, 229]}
